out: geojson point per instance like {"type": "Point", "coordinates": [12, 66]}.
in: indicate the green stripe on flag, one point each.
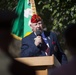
{"type": "Point", "coordinates": [21, 27]}
{"type": "Point", "coordinates": [27, 16]}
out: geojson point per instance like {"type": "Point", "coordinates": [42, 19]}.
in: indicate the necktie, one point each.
{"type": "Point", "coordinates": [44, 47]}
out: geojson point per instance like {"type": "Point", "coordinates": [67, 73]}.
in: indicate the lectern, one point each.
{"type": "Point", "coordinates": [41, 64]}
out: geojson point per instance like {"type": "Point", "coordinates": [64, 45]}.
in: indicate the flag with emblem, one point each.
{"type": "Point", "coordinates": [21, 24]}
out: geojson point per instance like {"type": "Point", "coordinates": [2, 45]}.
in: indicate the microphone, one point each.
{"type": "Point", "coordinates": [38, 33]}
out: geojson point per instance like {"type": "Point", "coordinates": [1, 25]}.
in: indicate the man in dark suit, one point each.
{"type": "Point", "coordinates": [8, 65]}
{"type": "Point", "coordinates": [70, 67]}
{"type": "Point", "coordinates": [41, 43]}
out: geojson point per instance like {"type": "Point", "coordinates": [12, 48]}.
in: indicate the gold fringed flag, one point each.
{"type": "Point", "coordinates": [21, 26]}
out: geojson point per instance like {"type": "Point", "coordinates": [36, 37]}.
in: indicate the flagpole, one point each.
{"type": "Point", "coordinates": [33, 7]}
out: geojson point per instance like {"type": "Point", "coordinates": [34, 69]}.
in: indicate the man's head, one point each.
{"type": "Point", "coordinates": [36, 23]}
{"type": "Point", "coordinates": [6, 18]}
{"type": "Point", "coordinates": [70, 37]}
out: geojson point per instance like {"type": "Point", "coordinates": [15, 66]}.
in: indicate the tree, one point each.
{"type": "Point", "coordinates": [57, 14]}
{"type": "Point", "coordinates": [8, 4]}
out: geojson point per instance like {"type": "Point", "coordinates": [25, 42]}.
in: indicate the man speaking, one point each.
{"type": "Point", "coordinates": [40, 42]}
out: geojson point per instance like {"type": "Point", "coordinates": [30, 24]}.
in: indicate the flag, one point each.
{"type": "Point", "coordinates": [27, 17]}
{"type": "Point", "coordinates": [21, 26]}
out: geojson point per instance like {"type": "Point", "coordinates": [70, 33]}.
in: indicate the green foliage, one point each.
{"type": "Point", "coordinates": [8, 4]}
{"type": "Point", "coordinates": [57, 14]}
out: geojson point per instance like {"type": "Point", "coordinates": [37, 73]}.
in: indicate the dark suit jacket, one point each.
{"type": "Point", "coordinates": [29, 49]}
{"type": "Point", "coordinates": [67, 69]}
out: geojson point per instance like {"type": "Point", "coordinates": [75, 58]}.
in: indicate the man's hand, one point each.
{"type": "Point", "coordinates": [38, 40]}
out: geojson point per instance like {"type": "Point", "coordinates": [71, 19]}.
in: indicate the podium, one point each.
{"type": "Point", "coordinates": [41, 64]}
